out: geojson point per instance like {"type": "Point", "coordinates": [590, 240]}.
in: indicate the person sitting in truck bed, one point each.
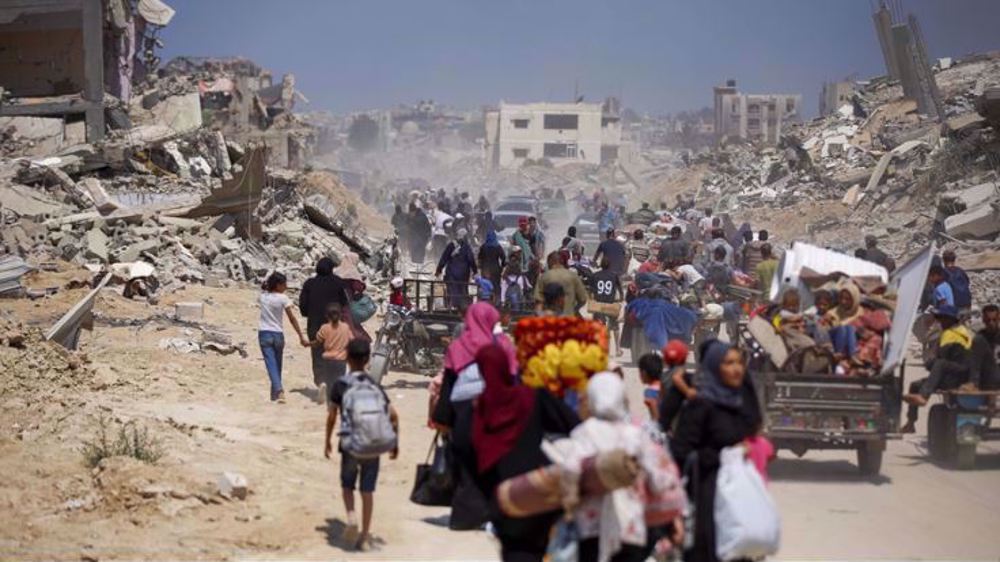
{"type": "Point", "coordinates": [985, 370]}
{"type": "Point", "coordinates": [949, 369]}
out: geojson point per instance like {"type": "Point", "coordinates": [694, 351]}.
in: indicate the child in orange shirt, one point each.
{"type": "Point", "coordinates": [333, 337]}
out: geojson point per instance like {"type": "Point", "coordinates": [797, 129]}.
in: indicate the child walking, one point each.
{"type": "Point", "coordinates": [369, 428]}
{"type": "Point", "coordinates": [274, 304]}
{"type": "Point", "coordinates": [333, 337]}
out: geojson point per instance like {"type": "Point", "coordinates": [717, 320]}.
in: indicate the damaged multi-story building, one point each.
{"type": "Point", "coordinates": [761, 118]}
{"type": "Point", "coordinates": [243, 100]}
{"type": "Point", "coordinates": [559, 132]}
{"type": "Point", "coordinates": [65, 65]}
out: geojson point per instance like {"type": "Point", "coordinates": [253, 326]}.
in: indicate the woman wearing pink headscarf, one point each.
{"type": "Point", "coordinates": [460, 385]}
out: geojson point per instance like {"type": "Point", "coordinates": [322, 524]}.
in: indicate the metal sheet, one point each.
{"type": "Point", "coordinates": [822, 261]}
{"type": "Point", "coordinates": [908, 284]}
{"type": "Point", "coordinates": [67, 330]}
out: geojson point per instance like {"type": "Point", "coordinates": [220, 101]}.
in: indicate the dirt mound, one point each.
{"type": "Point", "coordinates": [374, 223]}
{"type": "Point", "coordinates": [35, 368]}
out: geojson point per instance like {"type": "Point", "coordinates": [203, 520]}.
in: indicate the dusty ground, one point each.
{"type": "Point", "coordinates": [211, 415]}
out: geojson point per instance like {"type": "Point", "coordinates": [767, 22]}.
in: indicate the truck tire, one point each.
{"type": "Point", "coordinates": [870, 458]}
{"type": "Point", "coordinates": [937, 432]}
{"type": "Point", "coordinates": [965, 456]}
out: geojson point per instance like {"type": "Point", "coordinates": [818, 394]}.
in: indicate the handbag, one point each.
{"type": "Point", "coordinates": [747, 524]}
{"type": "Point", "coordinates": [429, 487]}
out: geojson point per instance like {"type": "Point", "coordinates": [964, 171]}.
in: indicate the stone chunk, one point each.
{"type": "Point", "coordinates": [233, 485]}
{"type": "Point", "coordinates": [96, 245]}
{"type": "Point", "coordinates": [189, 311]}
{"type": "Point", "coordinates": [980, 222]}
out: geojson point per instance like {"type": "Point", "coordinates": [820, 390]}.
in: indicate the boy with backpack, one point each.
{"type": "Point", "coordinates": [369, 428]}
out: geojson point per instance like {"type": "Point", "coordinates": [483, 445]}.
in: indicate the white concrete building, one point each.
{"type": "Point", "coordinates": [560, 132]}
{"type": "Point", "coordinates": [756, 117]}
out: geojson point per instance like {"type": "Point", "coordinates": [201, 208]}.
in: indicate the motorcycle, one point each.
{"type": "Point", "coordinates": [405, 343]}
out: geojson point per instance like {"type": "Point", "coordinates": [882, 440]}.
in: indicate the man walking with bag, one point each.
{"type": "Point", "coordinates": [369, 428]}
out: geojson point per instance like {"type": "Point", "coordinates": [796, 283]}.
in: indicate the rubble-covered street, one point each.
{"type": "Point", "coordinates": [143, 202]}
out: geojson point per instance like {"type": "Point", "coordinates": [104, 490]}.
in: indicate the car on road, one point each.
{"type": "Point", "coordinates": [506, 224]}
{"type": "Point", "coordinates": [518, 205]}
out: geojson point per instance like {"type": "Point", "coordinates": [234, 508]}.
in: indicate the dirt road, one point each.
{"type": "Point", "coordinates": [211, 415]}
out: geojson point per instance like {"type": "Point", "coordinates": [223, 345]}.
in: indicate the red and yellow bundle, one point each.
{"type": "Point", "coordinates": [560, 353]}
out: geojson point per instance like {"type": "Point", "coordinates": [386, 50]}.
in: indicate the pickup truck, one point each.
{"type": "Point", "coordinates": [827, 411]}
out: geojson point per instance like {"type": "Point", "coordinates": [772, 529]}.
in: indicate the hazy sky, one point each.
{"type": "Point", "coordinates": [658, 55]}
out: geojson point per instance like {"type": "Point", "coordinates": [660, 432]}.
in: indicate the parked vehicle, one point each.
{"type": "Point", "coordinates": [523, 206]}
{"type": "Point", "coordinates": [507, 223]}
{"type": "Point", "coordinates": [404, 342]}
{"type": "Point", "coordinates": [587, 231]}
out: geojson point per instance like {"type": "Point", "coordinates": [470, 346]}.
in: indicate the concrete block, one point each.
{"type": "Point", "coordinates": [968, 198]}
{"type": "Point", "coordinates": [96, 245]}
{"type": "Point", "coordinates": [182, 114]}
{"type": "Point", "coordinates": [979, 222]}
{"type": "Point", "coordinates": [100, 197]}
{"type": "Point", "coordinates": [233, 485]}
{"type": "Point", "coordinates": [853, 196]}
{"type": "Point", "coordinates": [180, 223]}
{"type": "Point", "coordinates": [189, 311]}
{"type": "Point", "coordinates": [132, 252]}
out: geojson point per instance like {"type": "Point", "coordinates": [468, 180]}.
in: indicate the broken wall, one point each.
{"type": "Point", "coordinates": [41, 64]}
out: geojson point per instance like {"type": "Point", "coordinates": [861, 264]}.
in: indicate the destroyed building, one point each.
{"type": "Point", "coordinates": [759, 118]}
{"type": "Point", "coordinates": [67, 63]}
{"type": "Point", "coordinates": [243, 100]}
{"type": "Point", "coordinates": [559, 132]}
{"type": "Point", "coordinates": [834, 95]}
{"type": "Point", "coordinates": [905, 54]}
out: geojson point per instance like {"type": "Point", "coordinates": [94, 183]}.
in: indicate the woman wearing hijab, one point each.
{"type": "Point", "coordinates": [461, 384]}
{"type": "Point", "coordinates": [492, 259]}
{"type": "Point", "coordinates": [458, 265]}
{"type": "Point", "coordinates": [317, 293]}
{"type": "Point", "coordinates": [419, 234]}
{"type": "Point", "coordinates": [724, 413]}
{"type": "Point", "coordinates": [843, 335]}
{"type": "Point", "coordinates": [508, 423]}
{"type": "Point", "coordinates": [613, 526]}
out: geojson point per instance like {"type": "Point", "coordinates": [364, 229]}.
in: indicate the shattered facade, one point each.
{"type": "Point", "coordinates": [759, 118]}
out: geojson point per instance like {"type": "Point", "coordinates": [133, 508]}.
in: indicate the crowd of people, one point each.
{"type": "Point", "coordinates": [699, 267]}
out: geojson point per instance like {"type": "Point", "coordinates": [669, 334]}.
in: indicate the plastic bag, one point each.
{"type": "Point", "coordinates": [747, 524]}
{"type": "Point", "coordinates": [565, 543]}
{"type": "Point", "coordinates": [363, 308]}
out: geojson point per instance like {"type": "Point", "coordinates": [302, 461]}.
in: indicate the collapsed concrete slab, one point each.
{"type": "Point", "coordinates": [66, 332]}
{"type": "Point", "coordinates": [979, 222]}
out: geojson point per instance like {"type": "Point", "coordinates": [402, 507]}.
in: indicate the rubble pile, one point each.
{"type": "Point", "coordinates": [169, 199]}
{"type": "Point", "coordinates": [35, 368]}
{"type": "Point", "coordinates": [874, 150]}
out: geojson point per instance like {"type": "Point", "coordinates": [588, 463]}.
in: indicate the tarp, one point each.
{"type": "Point", "coordinates": [155, 12]}
{"type": "Point", "coordinates": [663, 321]}
{"type": "Point", "coordinates": [803, 256]}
